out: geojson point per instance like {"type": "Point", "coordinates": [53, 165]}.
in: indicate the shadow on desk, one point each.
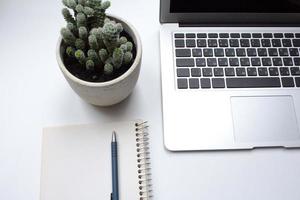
{"type": "Point", "coordinates": [115, 112]}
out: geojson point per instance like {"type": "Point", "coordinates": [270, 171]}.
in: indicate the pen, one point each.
{"type": "Point", "coordinates": [114, 165]}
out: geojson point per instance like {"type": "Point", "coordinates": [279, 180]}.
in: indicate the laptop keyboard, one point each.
{"type": "Point", "coordinates": [237, 60]}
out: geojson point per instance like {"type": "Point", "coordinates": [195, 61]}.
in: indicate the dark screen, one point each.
{"type": "Point", "coordinates": [244, 6]}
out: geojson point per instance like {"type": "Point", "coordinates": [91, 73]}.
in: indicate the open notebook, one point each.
{"type": "Point", "coordinates": [76, 162]}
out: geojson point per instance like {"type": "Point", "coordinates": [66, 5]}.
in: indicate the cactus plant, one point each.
{"type": "Point", "coordinates": [93, 39]}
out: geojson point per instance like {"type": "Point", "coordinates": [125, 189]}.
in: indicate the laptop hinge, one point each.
{"type": "Point", "coordinates": [237, 25]}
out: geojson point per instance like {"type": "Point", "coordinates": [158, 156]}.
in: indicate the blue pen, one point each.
{"type": "Point", "coordinates": [114, 165]}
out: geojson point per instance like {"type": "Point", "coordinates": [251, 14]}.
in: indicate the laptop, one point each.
{"type": "Point", "coordinates": [230, 74]}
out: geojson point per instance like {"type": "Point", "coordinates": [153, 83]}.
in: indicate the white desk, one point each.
{"type": "Point", "coordinates": [34, 94]}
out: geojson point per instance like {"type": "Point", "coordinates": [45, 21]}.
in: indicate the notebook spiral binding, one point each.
{"type": "Point", "coordinates": [143, 159]}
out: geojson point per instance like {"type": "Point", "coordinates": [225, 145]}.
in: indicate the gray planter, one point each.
{"type": "Point", "coordinates": [110, 92]}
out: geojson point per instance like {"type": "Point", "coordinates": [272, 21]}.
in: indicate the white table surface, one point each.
{"type": "Point", "coordinates": [34, 94]}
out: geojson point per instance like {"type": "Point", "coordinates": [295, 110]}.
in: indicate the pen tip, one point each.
{"type": "Point", "coordinates": [114, 138]}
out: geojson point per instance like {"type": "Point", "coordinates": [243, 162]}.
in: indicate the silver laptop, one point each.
{"type": "Point", "coordinates": [230, 74]}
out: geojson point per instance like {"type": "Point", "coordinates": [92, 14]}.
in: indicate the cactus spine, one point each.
{"type": "Point", "coordinates": [92, 38]}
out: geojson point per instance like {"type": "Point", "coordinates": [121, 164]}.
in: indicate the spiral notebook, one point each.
{"type": "Point", "coordinates": [76, 162]}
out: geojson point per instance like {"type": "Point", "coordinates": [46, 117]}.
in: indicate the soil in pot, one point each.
{"type": "Point", "coordinates": [80, 71]}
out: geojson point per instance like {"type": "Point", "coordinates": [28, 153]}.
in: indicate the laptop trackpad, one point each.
{"type": "Point", "coordinates": [264, 119]}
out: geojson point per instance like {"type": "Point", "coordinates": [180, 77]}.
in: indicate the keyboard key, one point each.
{"type": "Point", "coordinates": [255, 62]}
{"type": "Point", "coordinates": [251, 52]}
{"type": "Point", "coordinates": [262, 71]}
{"type": "Point", "coordinates": [234, 42]}
{"type": "Point", "coordinates": [207, 72]}
{"type": "Point", "coordinates": [183, 52]}
{"type": "Point", "coordinates": [223, 43]}
{"type": "Point", "coordinates": [289, 35]}
{"type": "Point", "coordinates": [286, 43]}
{"type": "Point", "coordinates": [179, 35]}
{"type": "Point", "coordinates": [266, 61]}
{"type": "Point", "coordinates": [229, 52]}
{"type": "Point", "coordinates": [208, 52]}
{"type": "Point", "coordinates": [185, 62]}
{"type": "Point", "coordinates": [190, 43]}
{"type": "Point", "coordinates": [276, 42]}
{"type": "Point", "coordinates": [197, 52]}
{"type": "Point", "coordinates": [296, 42]}
{"type": "Point", "coordinates": [277, 61]}
{"type": "Point", "coordinates": [297, 61]}
{"type": "Point", "coordinates": [194, 83]}
{"type": "Point", "coordinates": [229, 72]}
{"type": "Point", "coordinates": [297, 35]}
{"type": "Point", "coordinates": [240, 71]}
{"type": "Point", "coordinates": [212, 62]}
{"type": "Point", "coordinates": [182, 83]}
{"type": "Point", "coordinates": [212, 43]}
{"type": "Point", "coordinates": [294, 52]}
{"type": "Point", "coordinates": [267, 35]}
{"type": "Point", "coordinates": [219, 52]}
{"type": "Point", "coordinates": [213, 35]}
{"type": "Point", "coordinates": [278, 35]}
{"type": "Point", "coordinates": [295, 71]}
{"type": "Point", "coordinates": [202, 35]}
{"type": "Point", "coordinates": [273, 71]}
{"type": "Point", "coordinates": [246, 35]}
{"type": "Point", "coordinates": [283, 52]}
{"type": "Point", "coordinates": [262, 52]}
{"type": "Point", "coordinates": [190, 35]}
{"type": "Point", "coordinates": [256, 35]}
{"type": "Point", "coordinates": [200, 62]}
{"type": "Point", "coordinates": [218, 71]}
{"type": "Point", "coordinates": [233, 61]}
{"type": "Point", "coordinates": [224, 35]}
{"type": "Point", "coordinates": [252, 82]}
{"type": "Point", "coordinates": [297, 80]}
{"type": "Point", "coordinates": [251, 71]}
{"type": "Point", "coordinates": [245, 61]}
{"type": "Point", "coordinates": [240, 52]}
{"type": "Point", "coordinates": [235, 35]}
{"type": "Point", "coordinates": [287, 61]}
{"type": "Point", "coordinates": [218, 83]}
{"type": "Point", "coordinates": [255, 43]}
{"type": "Point", "coordinates": [183, 72]}
{"type": "Point", "coordinates": [179, 43]}
{"type": "Point", "coordinates": [195, 72]}
{"type": "Point", "coordinates": [205, 83]}
{"type": "Point", "coordinates": [245, 42]}
{"type": "Point", "coordinates": [273, 52]}
{"type": "Point", "coordinates": [287, 82]}
{"type": "Point", "coordinates": [266, 43]}
{"type": "Point", "coordinates": [223, 62]}
{"type": "Point", "coordinates": [284, 71]}
{"type": "Point", "coordinates": [201, 43]}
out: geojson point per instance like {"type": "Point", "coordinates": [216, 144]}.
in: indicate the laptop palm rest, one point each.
{"type": "Point", "coordinates": [264, 120]}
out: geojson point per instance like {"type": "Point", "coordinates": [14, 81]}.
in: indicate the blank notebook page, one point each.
{"type": "Point", "coordinates": [76, 162]}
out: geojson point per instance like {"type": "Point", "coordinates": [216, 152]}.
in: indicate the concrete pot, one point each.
{"type": "Point", "coordinates": [110, 92]}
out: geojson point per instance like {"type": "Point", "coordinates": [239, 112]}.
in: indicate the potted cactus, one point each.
{"type": "Point", "coordinates": [99, 54]}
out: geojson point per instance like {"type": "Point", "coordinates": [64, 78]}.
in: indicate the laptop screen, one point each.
{"type": "Point", "coordinates": [233, 6]}
{"type": "Point", "coordinates": [231, 12]}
